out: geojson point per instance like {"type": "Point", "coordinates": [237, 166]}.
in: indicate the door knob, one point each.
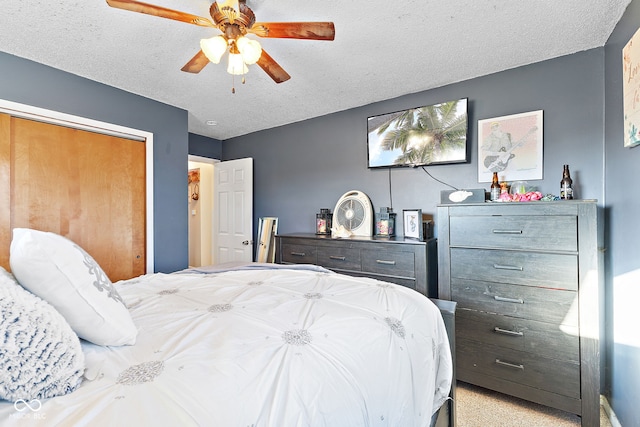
{"type": "Point", "coordinates": [247, 242]}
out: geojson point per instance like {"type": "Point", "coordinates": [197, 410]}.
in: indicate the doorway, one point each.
{"type": "Point", "coordinates": [200, 196]}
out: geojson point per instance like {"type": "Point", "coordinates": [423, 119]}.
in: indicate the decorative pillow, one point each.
{"type": "Point", "coordinates": [40, 356]}
{"type": "Point", "coordinates": [63, 274]}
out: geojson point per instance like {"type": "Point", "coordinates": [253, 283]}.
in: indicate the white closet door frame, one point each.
{"type": "Point", "coordinates": [77, 122]}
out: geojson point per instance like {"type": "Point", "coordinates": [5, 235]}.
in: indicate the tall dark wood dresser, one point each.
{"type": "Point", "coordinates": [526, 277]}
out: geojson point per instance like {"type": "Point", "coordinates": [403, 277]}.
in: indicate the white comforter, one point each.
{"type": "Point", "coordinates": [262, 347]}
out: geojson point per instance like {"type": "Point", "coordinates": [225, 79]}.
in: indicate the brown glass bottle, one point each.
{"type": "Point", "coordinates": [495, 187]}
{"type": "Point", "coordinates": [566, 185]}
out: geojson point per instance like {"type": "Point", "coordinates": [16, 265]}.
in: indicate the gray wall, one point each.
{"type": "Point", "coordinates": [623, 233]}
{"type": "Point", "coordinates": [205, 147]}
{"type": "Point", "coordinates": [306, 166]}
{"type": "Point", "coordinates": [37, 85]}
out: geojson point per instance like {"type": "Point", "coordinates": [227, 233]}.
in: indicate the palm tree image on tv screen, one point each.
{"type": "Point", "coordinates": [434, 134]}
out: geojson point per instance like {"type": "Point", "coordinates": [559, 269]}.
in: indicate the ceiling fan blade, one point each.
{"type": "Point", "coordinates": [196, 64]}
{"type": "Point", "coordinates": [162, 12]}
{"type": "Point", "coordinates": [272, 68]}
{"type": "Point", "coordinates": [295, 30]}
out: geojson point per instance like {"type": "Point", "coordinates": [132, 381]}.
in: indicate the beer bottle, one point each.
{"type": "Point", "coordinates": [566, 185]}
{"type": "Point", "coordinates": [495, 187]}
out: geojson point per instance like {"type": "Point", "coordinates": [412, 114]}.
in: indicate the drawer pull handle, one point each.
{"type": "Point", "coordinates": [298, 254]}
{"type": "Point", "coordinates": [509, 365]}
{"type": "Point", "coordinates": [505, 299]}
{"type": "Point", "coordinates": [508, 332]}
{"type": "Point", "coordinates": [339, 258]}
{"type": "Point", "coordinates": [507, 267]}
{"type": "Point", "coordinates": [382, 261]}
{"type": "Point", "coordinates": [507, 231]}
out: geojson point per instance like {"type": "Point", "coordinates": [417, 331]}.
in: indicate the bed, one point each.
{"type": "Point", "coordinates": [251, 345]}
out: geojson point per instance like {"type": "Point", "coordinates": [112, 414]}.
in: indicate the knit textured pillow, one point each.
{"type": "Point", "coordinates": [40, 355]}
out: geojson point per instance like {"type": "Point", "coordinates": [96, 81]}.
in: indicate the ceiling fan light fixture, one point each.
{"type": "Point", "coordinates": [214, 48]}
{"type": "Point", "coordinates": [235, 20]}
{"type": "Point", "coordinates": [236, 65]}
{"type": "Point", "coordinates": [249, 49]}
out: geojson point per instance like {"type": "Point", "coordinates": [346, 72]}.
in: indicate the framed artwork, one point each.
{"type": "Point", "coordinates": [630, 88]}
{"type": "Point", "coordinates": [512, 146]}
{"type": "Point", "coordinates": [412, 223]}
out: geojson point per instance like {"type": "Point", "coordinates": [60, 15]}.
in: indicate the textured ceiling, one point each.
{"type": "Point", "coordinates": [382, 50]}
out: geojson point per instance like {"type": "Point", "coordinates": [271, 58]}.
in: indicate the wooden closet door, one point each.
{"type": "Point", "coordinates": [86, 186]}
{"type": "Point", "coordinates": [5, 189]}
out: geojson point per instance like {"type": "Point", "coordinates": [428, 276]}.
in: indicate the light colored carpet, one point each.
{"type": "Point", "coordinates": [479, 407]}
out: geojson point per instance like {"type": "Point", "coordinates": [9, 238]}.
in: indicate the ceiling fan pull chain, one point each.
{"type": "Point", "coordinates": [233, 77]}
{"type": "Point", "coordinates": [233, 82]}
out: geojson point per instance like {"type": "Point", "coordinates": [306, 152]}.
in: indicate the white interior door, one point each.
{"type": "Point", "coordinates": [233, 207]}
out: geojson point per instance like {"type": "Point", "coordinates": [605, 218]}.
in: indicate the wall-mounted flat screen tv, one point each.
{"type": "Point", "coordinates": [430, 135]}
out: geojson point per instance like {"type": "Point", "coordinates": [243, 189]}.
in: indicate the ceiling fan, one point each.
{"type": "Point", "coordinates": [235, 20]}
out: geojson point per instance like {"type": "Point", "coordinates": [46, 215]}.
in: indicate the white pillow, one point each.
{"type": "Point", "coordinates": [62, 273]}
{"type": "Point", "coordinates": [40, 356]}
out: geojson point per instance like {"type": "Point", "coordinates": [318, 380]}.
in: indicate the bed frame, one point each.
{"type": "Point", "coordinates": [446, 416]}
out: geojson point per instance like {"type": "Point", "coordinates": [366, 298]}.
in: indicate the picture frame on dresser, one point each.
{"type": "Point", "coordinates": [412, 223]}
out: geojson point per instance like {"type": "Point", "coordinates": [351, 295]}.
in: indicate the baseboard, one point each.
{"type": "Point", "coordinates": [609, 411]}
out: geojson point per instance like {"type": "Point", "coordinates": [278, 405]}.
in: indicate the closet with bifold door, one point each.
{"type": "Point", "coordinates": [88, 187]}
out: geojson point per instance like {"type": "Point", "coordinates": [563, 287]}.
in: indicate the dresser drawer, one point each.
{"type": "Point", "coordinates": [545, 339]}
{"type": "Point", "coordinates": [389, 263]}
{"type": "Point", "coordinates": [339, 257]}
{"type": "Point", "coordinates": [549, 305]}
{"type": "Point", "coordinates": [557, 376]}
{"type": "Point", "coordinates": [298, 254]}
{"type": "Point", "coordinates": [520, 268]}
{"type": "Point", "coordinates": [555, 233]}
